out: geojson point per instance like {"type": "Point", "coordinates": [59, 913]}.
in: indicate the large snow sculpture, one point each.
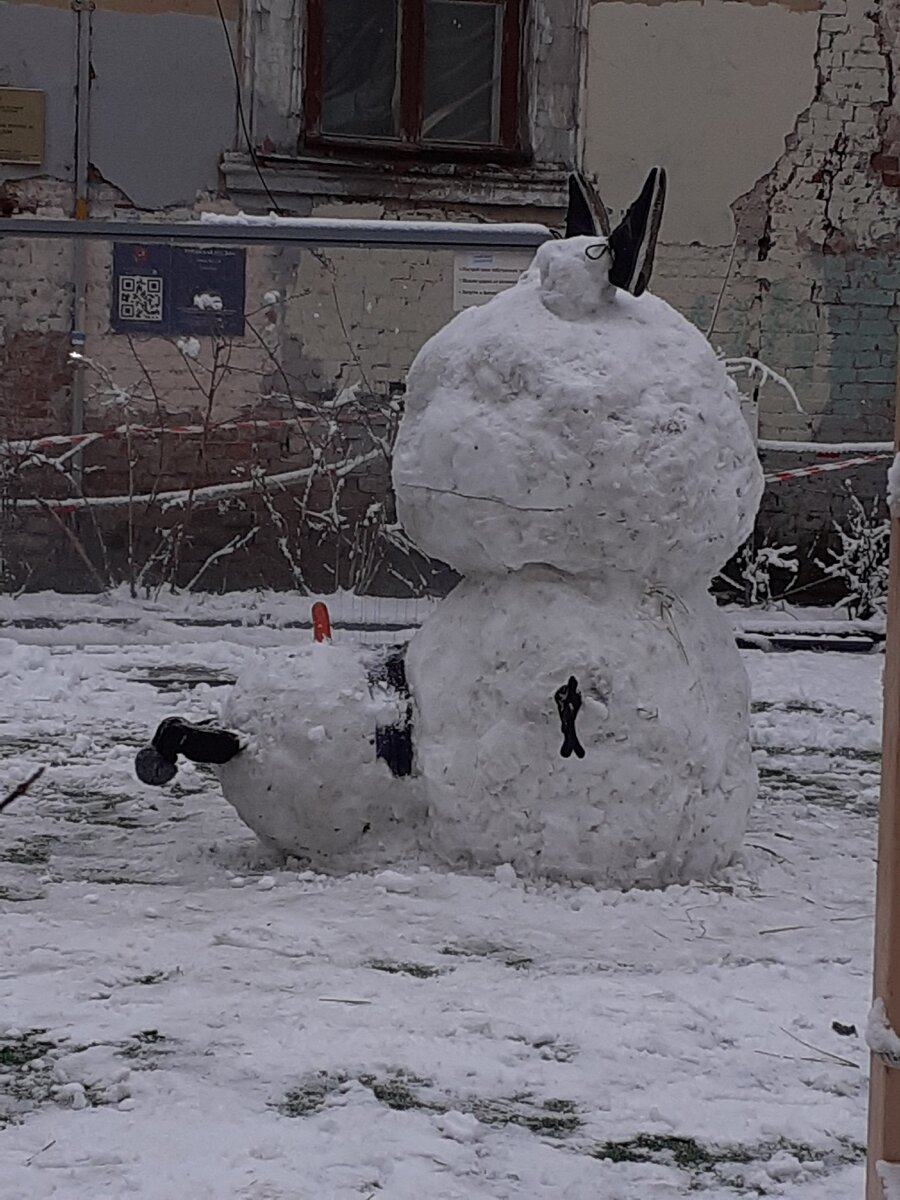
{"type": "Point", "coordinates": [579, 455]}
{"type": "Point", "coordinates": [576, 451]}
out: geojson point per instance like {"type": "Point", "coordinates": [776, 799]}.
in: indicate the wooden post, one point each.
{"type": "Point", "coordinates": [884, 1082]}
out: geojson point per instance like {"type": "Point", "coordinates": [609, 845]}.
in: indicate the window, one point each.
{"type": "Point", "coordinates": [413, 74]}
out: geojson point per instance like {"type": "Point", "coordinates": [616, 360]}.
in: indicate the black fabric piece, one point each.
{"type": "Point", "coordinates": [568, 702]}
{"type": "Point", "coordinates": [393, 743]}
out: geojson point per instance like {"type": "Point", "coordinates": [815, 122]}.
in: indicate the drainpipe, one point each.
{"type": "Point", "coordinates": [83, 12]}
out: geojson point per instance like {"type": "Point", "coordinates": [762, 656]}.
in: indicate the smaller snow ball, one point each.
{"type": "Point", "coordinates": [309, 782]}
{"type": "Point", "coordinates": [567, 423]}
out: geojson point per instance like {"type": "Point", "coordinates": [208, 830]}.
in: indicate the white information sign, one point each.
{"type": "Point", "coordinates": [480, 274]}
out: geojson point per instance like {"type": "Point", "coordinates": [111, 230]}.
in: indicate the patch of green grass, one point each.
{"type": "Point", "coordinates": [29, 851]}
{"type": "Point", "coordinates": [26, 1061]}
{"type": "Point", "coordinates": [416, 970]}
{"type": "Point", "coordinates": [698, 1160]}
{"type": "Point", "coordinates": [401, 1091]}
{"type": "Point", "coordinates": [309, 1096]}
{"type": "Point", "coordinates": [834, 753]}
{"type": "Point", "coordinates": [145, 1049]}
{"type": "Point", "coordinates": [686, 1153]}
{"type": "Point", "coordinates": [502, 954]}
{"type": "Point", "coordinates": [16, 1052]}
{"type": "Point", "coordinates": [19, 897]}
{"type": "Point", "coordinates": [552, 1118]}
{"type": "Point", "coordinates": [791, 706]}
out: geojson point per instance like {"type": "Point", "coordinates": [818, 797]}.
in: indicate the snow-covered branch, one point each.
{"type": "Point", "coordinates": [759, 372]}
{"type": "Point", "coordinates": [238, 542]}
{"type": "Point", "coordinates": [201, 495]}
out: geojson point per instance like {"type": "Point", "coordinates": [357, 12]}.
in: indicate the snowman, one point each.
{"type": "Point", "coordinates": [576, 452]}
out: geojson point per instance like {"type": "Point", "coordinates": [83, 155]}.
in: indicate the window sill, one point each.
{"type": "Point", "coordinates": [299, 184]}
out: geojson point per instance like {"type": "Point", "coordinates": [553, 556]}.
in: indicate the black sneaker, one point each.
{"type": "Point", "coordinates": [585, 216]}
{"type": "Point", "coordinates": [633, 241]}
{"type": "Point", "coordinates": [204, 743]}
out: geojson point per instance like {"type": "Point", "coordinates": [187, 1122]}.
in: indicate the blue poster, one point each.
{"type": "Point", "coordinates": [208, 291]}
{"type": "Point", "coordinates": [175, 290]}
{"type": "Point", "coordinates": [141, 300]}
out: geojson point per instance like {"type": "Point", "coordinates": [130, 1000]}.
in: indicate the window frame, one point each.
{"type": "Point", "coordinates": [412, 91]}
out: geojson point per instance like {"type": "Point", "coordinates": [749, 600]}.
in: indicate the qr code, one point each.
{"type": "Point", "coordinates": [140, 298]}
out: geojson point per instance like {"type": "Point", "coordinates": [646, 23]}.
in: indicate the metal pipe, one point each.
{"type": "Point", "coordinates": [83, 13]}
{"type": "Point", "coordinates": [425, 235]}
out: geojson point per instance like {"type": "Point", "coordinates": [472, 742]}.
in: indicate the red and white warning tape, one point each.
{"type": "Point", "coordinates": [57, 440]}
{"type": "Point", "coordinates": [82, 440]}
{"type": "Point", "coordinates": [821, 468]}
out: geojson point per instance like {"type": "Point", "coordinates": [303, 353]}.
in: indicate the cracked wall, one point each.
{"type": "Point", "coordinates": [782, 126]}
{"type": "Point", "coordinates": [162, 94]}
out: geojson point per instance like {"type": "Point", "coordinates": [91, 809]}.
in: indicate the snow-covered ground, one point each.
{"type": "Point", "coordinates": [182, 1019]}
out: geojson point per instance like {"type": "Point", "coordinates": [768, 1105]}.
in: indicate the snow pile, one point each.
{"type": "Point", "coordinates": [46, 678]}
{"type": "Point", "coordinates": [308, 781]}
{"type": "Point", "coordinates": [581, 455]}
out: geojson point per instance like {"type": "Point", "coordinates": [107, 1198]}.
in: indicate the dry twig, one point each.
{"type": "Point", "coordinates": [21, 788]}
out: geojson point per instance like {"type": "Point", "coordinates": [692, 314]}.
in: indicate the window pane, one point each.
{"type": "Point", "coordinates": [462, 71]}
{"type": "Point", "coordinates": [359, 67]}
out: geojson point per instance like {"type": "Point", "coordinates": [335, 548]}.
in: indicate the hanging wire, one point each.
{"type": "Point", "coordinates": [241, 116]}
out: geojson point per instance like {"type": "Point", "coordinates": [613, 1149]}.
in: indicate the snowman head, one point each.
{"type": "Point", "coordinates": [570, 424]}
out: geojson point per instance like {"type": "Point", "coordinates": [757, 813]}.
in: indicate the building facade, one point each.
{"type": "Point", "coordinates": [778, 123]}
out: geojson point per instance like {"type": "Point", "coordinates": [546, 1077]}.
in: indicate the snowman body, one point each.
{"type": "Point", "coordinates": [308, 781]}
{"type": "Point", "coordinates": [579, 456]}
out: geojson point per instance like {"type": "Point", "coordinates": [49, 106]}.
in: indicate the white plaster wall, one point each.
{"type": "Point", "coordinates": [162, 104]}
{"type": "Point", "coordinates": [708, 90]}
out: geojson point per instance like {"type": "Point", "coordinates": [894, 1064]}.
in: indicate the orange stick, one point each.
{"type": "Point", "coordinates": [321, 622]}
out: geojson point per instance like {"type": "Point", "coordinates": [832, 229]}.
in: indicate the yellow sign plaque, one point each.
{"type": "Point", "coordinates": [21, 125]}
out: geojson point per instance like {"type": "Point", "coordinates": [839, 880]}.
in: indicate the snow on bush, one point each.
{"type": "Point", "coordinates": [861, 560]}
